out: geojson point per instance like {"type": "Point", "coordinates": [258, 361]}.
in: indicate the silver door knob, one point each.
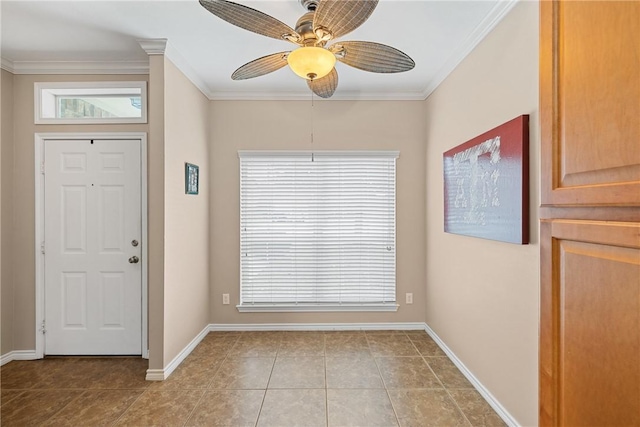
{"type": "Point", "coordinates": [134, 260]}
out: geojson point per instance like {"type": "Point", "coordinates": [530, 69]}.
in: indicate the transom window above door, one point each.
{"type": "Point", "coordinates": [90, 102]}
{"type": "Point", "coordinates": [317, 231]}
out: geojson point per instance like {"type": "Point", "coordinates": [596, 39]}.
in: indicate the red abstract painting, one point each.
{"type": "Point", "coordinates": [486, 184]}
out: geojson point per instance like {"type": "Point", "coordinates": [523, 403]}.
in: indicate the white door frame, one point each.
{"type": "Point", "coordinates": [39, 256]}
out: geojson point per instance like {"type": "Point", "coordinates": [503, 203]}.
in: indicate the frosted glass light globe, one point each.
{"type": "Point", "coordinates": [311, 63]}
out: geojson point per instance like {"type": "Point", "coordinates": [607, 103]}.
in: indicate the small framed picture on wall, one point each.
{"type": "Point", "coordinates": [191, 178]}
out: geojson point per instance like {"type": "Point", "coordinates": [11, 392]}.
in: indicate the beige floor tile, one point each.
{"type": "Point", "coordinates": [419, 333]}
{"type": "Point", "coordinates": [300, 334]}
{"type": "Point", "coordinates": [406, 372]}
{"type": "Point", "coordinates": [271, 335]}
{"type": "Point", "coordinates": [476, 409]}
{"type": "Point", "coordinates": [122, 373]}
{"type": "Point", "coordinates": [256, 346]}
{"type": "Point", "coordinates": [391, 345]}
{"type": "Point", "coordinates": [352, 372]}
{"type": "Point", "coordinates": [214, 346]}
{"type": "Point", "coordinates": [8, 395]}
{"type": "Point", "coordinates": [448, 373]}
{"type": "Point", "coordinates": [33, 408]}
{"type": "Point", "coordinates": [344, 332]}
{"type": "Point", "coordinates": [74, 373]}
{"type": "Point", "coordinates": [193, 373]}
{"type": "Point", "coordinates": [95, 408]}
{"type": "Point", "coordinates": [94, 373]}
{"type": "Point", "coordinates": [228, 408]}
{"type": "Point", "coordinates": [161, 408]}
{"type": "Point", "coordinates": [293, 408]}
{"type": "Point", "coordinates": [298, 372]}
{"type": "Point", "coordinates": [26, 374]}
{"type": "Point", "coordinates": [426, 408]}
{"type": "Point", "coordinates": [426, 346]}
{"type": "Point", "coordinates": [302, 344]}
{"type": "Point", "coordinates": [342, 345]}
{"type": "Point", "coordinates": [359, 408]}
{"type": "Point", "coordinates": [243, 373]}
{"type": "Point", "coordinates": [86, 391]}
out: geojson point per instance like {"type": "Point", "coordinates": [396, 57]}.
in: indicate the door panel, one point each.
{"type": "Point", "coordinates": [92, 213]}
{"type": "Point", "coordinates": [73, 219]}
{"type": "Point", "coordinates": [112, 300]}
{"type": "Point", "coordinates": [111, 202]}
{"type": "Point", "coordinates": [74, 300]}
{"type": "Point", "coordinates": [590, 369]}
{"type": "Point", "coordinates": [590, 102]}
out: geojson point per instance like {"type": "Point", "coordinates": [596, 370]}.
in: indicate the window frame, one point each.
{"type": "Point", "coordinates": [319, 307]}
{"type": "Point", "coordinates": [41, 87]}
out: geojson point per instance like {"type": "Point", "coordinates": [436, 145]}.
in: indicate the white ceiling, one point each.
{"type": "Point", "coordinates": [102, 36]}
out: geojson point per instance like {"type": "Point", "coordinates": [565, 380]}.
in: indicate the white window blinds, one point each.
{"type": "Point", "coordinates": [317, 229]}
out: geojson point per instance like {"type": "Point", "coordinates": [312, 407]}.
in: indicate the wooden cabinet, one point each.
{"type": "Point", "coordinates": [590, 214]}
{"type": "Point", "coordinates": [590, 102]}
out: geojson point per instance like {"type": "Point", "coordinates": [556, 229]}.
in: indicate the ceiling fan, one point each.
{"type": "Point", "coordinates": [325, 21]}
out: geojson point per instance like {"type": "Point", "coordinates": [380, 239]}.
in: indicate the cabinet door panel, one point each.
{"type": "Point", "coordinates": [590, 102]}
{"type": "Point", "coordinates": [590, 321]}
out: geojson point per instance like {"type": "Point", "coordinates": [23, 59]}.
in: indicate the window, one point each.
{"type": "Point", "coordinates": [317, 231]}
{"type": "Point", "coordinates": [91, 102]}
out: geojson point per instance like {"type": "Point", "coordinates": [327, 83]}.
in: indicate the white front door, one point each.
{"type": "Point", "coordinates": [93, 277]}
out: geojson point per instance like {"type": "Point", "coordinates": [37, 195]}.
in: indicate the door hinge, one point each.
{"type": "Point", "coordinates": [42, 168]}
{"type": "Point", "coordinates": [43, 328]}
{"type": "Point", "coordinates": [42, 247]}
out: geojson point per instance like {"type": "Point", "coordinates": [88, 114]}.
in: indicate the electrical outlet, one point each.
{"type": "Point", "coordinates": [409, 298]}
{"type": "Point", "coordinates": [225, 299]}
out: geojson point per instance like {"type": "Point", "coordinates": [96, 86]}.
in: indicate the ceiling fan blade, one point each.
{"type": "Point", "coordinates": [342, 16]}
{"type": "Point", "coordinates": [261, 66]}
{"type": "Point", "coordinates": [374, 57]}
{"type": "Point", "coordinates": [250, 19]}
{"type": "Point", "coordinates": [326, 86]}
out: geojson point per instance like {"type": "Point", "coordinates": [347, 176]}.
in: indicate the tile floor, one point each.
{"type": "Point", "coordinates": [373, 378]}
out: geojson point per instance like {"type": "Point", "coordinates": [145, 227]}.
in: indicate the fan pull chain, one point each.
{"type": "Point", "coordinates": [312, 120]}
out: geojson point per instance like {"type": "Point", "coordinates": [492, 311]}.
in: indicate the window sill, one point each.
{"type": "Point", "coordinates": [288, 308]}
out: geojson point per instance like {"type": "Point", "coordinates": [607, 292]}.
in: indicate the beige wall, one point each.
{"type": "Point", "coordinates": [186, 277]}
{"type": "Point", "coordinates": [6, 215]}
{"type": "Point", "coordinates": [155, 200]}
{"type": "Point", "coordinates": [339, 125]}
{"type": "Point", "coordinates": [22, 206]}
{"type": "Point", "coordinates": [482, 296]}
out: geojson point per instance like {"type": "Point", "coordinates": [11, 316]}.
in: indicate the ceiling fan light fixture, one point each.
{"type": "Point", "coordinates": [311, 62]}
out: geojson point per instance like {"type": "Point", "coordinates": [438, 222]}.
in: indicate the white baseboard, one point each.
{"type": "Point", "coordinates": [163, 374]}
{"type": "Point", "coordinates": [413, 326]}
{"type": "Point", "coordinates": [18, 355]}
{"type": "Point", "coordinates": [491, 400]}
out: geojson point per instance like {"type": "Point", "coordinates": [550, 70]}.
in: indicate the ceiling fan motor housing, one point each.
{"type": "Point", "coordinates": [304, 27]}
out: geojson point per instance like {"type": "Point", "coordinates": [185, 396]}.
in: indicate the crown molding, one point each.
{"type": "Point", "coordinates": [495, 15]}
{"type": "Point", "coordinates": [183, 65]}
{"type": "Point", "coordinates": [304, 95]}
{"type": "Point", "coordinates": [154, 46]}
{"type": "Point", "coordinates": [7, 65]}
{"type": "Point", "coordinates": [75, 67]}
{"type": "Point", "coordinates": [163, 47]}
